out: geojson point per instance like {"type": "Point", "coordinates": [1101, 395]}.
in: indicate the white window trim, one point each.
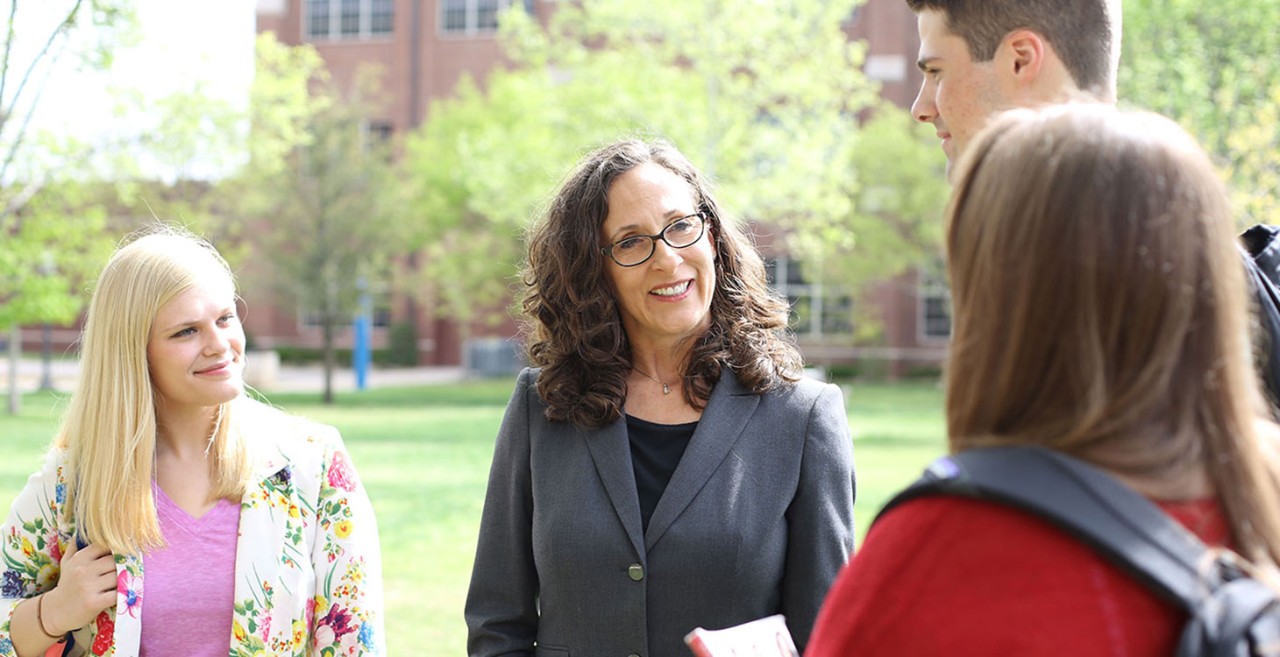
{"type": "Point", "coordinates": [815, 293]}
{"type": "Point", "coordinates": [930, 287]}
{"type": "Point", "coordinates": [471, 29]}
{"type": "Point", "coordinates": [335, 34]}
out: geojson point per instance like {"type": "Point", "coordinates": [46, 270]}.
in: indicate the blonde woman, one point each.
{"type": "Point", "coordinates": [250, 528]}
{"type": "Point", "coordinates": [1100, 310]}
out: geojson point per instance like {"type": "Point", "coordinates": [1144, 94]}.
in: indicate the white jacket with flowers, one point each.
{"type": "Point", "coordinates": [308, 568]}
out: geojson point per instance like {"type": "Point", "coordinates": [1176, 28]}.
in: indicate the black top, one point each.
{"type": "Point", "coordinates": [655, 452]}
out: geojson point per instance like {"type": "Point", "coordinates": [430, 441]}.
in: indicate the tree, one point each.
{"type": "Point", "coordinates": [761, 95]}
{"type": "Point", "coordinates": [35, 45]}
{"type": "Point", "coordinates": [1254, 167]}
{"type": "Point", "coordinates": [894, 222]}
{"type": "Point", "coordinates": [48, 237]}
{"type": "Point", "coordinates": [317, 188]}
{"type": "Point", "coordinates": [1207, 66]}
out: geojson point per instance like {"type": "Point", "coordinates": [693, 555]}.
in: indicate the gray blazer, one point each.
{"type": "Point", "coordinates": [757, 520]}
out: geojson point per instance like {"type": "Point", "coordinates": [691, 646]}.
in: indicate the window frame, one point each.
{"type": "Point", "coordinates": [471, 12]}
{"type": "Point", "coordinates": [815, 309]}
{"type": "Point", "coordinates": [381, 315]}
{"type": "Point", "coordinates": [932, 290]}
{"type": "Point", "coordinates": [337, 14]}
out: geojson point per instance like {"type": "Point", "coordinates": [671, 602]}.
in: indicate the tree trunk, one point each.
{"type": "Point", "coordinates": [464, 345]}
{"type": "Point", "coordinates": [326, 322]}
{"type": "Point", "coordinates": [46, 358]}
{"type": "Point", "coordinates": [15, 356]}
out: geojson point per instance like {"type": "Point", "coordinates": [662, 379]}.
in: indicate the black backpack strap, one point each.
{"type": "Point", "coordinates": [1262, 242]}
{"type": "Point", "coordinates": [1123, 527]}
{"type": "Point", "coordinates": [1261, 246]}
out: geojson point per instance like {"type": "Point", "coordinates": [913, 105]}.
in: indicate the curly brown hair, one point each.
{"type": "Point", "coordinates": [573, 328]}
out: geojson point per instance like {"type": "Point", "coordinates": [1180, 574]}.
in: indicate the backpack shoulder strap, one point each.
{"type": "Point", "coordinates": [1260, 246]}
{"type": "Point", "coordinates": [1122, 526]}
{"type": "Point", "coordinates": [1262, 243]}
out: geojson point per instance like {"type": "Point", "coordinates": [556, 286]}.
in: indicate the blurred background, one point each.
{"type": "Point", "coordinates": [369, 167]}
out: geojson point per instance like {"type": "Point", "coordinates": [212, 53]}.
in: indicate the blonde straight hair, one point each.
{"type": "Point", "coordinates": [109, 428]}
{"type": "Point", "coordinates": [1100, 308]}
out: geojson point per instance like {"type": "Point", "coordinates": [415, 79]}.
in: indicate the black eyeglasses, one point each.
{"type": "Point", "coordinates": [637, 249]}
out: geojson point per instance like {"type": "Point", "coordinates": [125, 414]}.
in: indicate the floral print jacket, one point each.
{"type": "Point", "coordinates": [308, 568]}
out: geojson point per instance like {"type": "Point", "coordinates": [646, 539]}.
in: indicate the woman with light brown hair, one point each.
{"type": "Point", "coordinates": [1100, 311]}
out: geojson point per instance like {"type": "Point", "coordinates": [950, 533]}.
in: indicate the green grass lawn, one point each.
{"type": "Point", "coordinates": [424, 455]}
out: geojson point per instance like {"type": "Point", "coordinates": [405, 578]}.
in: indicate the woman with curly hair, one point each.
{"type": "Point", "coordinates": [665, 466]}
{"type": "Point", "coordinates": [255, 533]}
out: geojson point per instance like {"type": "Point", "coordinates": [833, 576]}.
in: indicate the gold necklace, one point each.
{"type": "Point", "coordinates": [666, 389]}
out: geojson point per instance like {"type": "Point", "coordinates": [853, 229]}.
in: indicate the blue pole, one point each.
{"type": "Point", "coordinates": [361, 354]}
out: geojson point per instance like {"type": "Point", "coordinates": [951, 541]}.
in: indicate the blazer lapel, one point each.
{"type": "Point", "coordinates": [127, 633]}
{"type": "Point", "coordinates": [612, 455]}
{"type": "Point", "coordinates": [265, 544]}
{"type": "Point", "coordinates": [726, 415]}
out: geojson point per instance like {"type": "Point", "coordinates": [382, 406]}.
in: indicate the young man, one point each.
{"type": "Point", "coordinates": [980, 57]}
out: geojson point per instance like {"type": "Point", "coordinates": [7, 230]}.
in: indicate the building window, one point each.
{"type": "Point", "coordinates": [934, 301]}
{"type": "Point", "coordinates": [468, 17]}
{"type": "Point", "coordinates": [380, 302]}
{"type": "Point", "coordinates": [487, 15]}
{"type": "Point", "coordinates": [318, 18]}
{"type": "Point", "coordinates": [816, 310]}
{"type": "Point", "coordinates": [455, 15]}
{"type": "Point", "coordinates": [348, 19]}
{"type": "Point", "coordinates": [380, 14]}
{"type": "Point", "coordinates": [886, 68]}
{"type": "Point", "coordinates": [350, 23]}
{"type": "Point", "coordinates": [376, 136]}
{"type": "Point", "coordinates": [378, 132]}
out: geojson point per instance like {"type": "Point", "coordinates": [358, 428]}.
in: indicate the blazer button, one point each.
{"type": "Point", "coordinates": [636, 572]}
{"type": "Point", "coordinates": [633, 655]}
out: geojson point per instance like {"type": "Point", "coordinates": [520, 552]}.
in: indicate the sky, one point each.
{"type": "Point", "coordinates": [180, 41]}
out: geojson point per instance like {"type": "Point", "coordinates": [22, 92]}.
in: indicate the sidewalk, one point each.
{"type": "Point", "coordinates": [310, 378]}
{"type": "Point", "coordinates": [289, 378]}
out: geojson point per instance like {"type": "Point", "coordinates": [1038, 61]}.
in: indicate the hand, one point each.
{"type": "Point", "coordinates": [86, 586]}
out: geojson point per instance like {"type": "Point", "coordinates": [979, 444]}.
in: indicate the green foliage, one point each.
{"type": "Point", "coordinates": [56, 247]}
{"type": "Point", "coordinates": [424, 454]}
{"type": "Point", "coordinates": [1254, 165]}
{"type": "Point", "coordinates": [52, 231]}
{"type": "Point", "coordinates": [1200, 62]}
{"type": "Point", "coordinates": [281, 103]}
{"type": "Point", "coordinates": [318, 188]}
{"type": "Point", "coordinates": [1208, 66]}
{"type": "Point", "coordinates": [895, 219]}
{"type": "Point", "coordinates": [40, 40]}
{"type": "Point", "coordinates": [402, 344]}
{"type": "Point", "coordinates": [761, 95]}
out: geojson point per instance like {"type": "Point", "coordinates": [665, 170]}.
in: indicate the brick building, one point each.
{"type": "Point", "coordinates": [423, 47]}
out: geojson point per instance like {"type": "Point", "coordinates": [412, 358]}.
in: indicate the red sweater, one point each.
{"type": "Point", "coordinates": [958, 577]}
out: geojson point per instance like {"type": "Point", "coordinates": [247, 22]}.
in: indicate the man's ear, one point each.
{"type": "Point", "coordinates": [1021, 56]}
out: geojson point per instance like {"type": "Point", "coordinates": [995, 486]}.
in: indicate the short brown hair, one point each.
{"type": "Point", "coordinates": [1079, 30]}
{"type": "Point", "coordinates": [571, 315]}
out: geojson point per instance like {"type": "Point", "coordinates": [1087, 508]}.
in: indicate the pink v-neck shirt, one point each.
{"type": "Point", "coordinates": [190, 590]}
